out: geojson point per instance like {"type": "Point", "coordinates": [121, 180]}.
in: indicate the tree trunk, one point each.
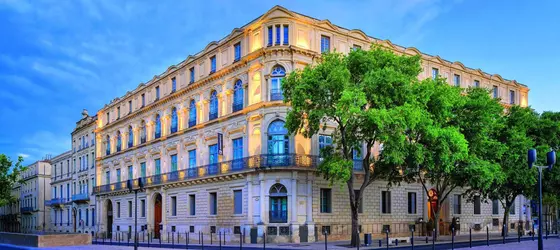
{"type": "Point", "coordinates": [506, 220]}
{"type": "Point", "coordinates": [355, 234]}
{"type": "Point", "coordinates": [436, 222]}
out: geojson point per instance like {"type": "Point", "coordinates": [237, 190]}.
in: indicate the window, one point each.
{"type": "Point", "coordinates": [157, 93]}
{"type": "Point", "coordinates": [269, 36]}
{"type": "Point", "coordinates": [213, 159]}
{"type": "Point", "coordinates": [130, 174]}
{"type": "Point", "coordinates": [130, 137]}
{"type": "Point", "coordinates": [119, 175]}
{"type": "Point", "coordinates": [457, 80]}
{"type": "Point", "coordinates": [213, 203]}
{"type": "Point", "coordinates": [143, 169]}
{"type": "Point", "coordinates": [511, 97]}
{"type": "Point", "coordinates": [324, 141]}
{"type": "Point", "coordinates": [119, 141]}
{"type": "Point", "coordinates": [277, 75]}
{"type": "Point", "coordinates": [512, 208]}
{"type": "Point", "coordinates": [386, 202]}
{"type": "Point", "coordinates": [213, 112]}
{"type": "Point", "coordinates": [129, 107]}
{"type": "Point", "coordinates": [278, 212]}
{"type": "Point", "coordinates": [129, 208]}
{"type": "Point", "coordinates": [192, 113]}
{"type": "Point", "coordinates": [477, 204]}
{"type": "Point", "coordinates": [326, 206]}
{"type": "Point", "coordinates": [325, 44]}
{"type": "Point", "coordinates": [192, 158]}
{"type": "Point", "coordinates": [107, 150]}
{"type": "Point", "coordinates": [143, 208]}
{"type": "Point", "coordinates": [157, 129]}
{"type": "Point", "coordinates": [237, 153]}
{"type": "Point", "coordinates": [107, 118]}
{"type": "Point", "coordinates": [495, 91]}
{"type": "Point", "coordinates": [174, 120]}
{"type": "Point", "coordinates": [237, 201]}
{"type": "Point", "coordinates": [277, 35]}
{"type": "Point", "coordinates": [476, 83]}
{"type": "Point", "coordinates": [191, 73]}
{"type": "Point", "coordinates": [435, 73]}
{"type": "Point", "coordinates": [92, 216]}
{"type": "Point", "coordinates": [495, 207]}
{"type": "Point", "coordinates": [87, 217]}
{"type": "Point", "coordinates": [457, 204]}
{"type": "Point", "coordinates": [411, 202]}
{"type": "Point", "coordinates": [278, 138]}
{"type": "Point", "coordinates": [356, 47]}
{"type": "Point", "coordinates": [118, 112]}
{"type": "Point", "coordinates": [173, 85]}
{"type": "Point", "coordinates": [192, 204]}
{"type": "Point", "coordinates": [212, 64]}
{"type": "Point", "coordinates": [173, 163]}
{"type": "Point", "coordinates": [143, 100]}
{"type": "Point", "coordinates": [237, 96]}
{"type": "Point", "coordinates": [286, 35]}
{"type": "Point", "coordinates": [237, 52]}
{"type": "Point", "coordinates": [157, 164]}
{"type": "Point", "coordinates": [118, 209]}
{"type": "Point", "coordinates": [173, 206]}
{"type": "Point", "coordinates": [143, 132]}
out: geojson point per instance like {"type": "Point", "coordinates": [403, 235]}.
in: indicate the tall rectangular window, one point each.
{"type": "Point", "coordinates": [269, 36]}
{"type": "Point", "coordinates": [173, 206]}
{"type": "Point", "coordinates": [457, 204]}
{"type": "Point", "coordinates": [118, 209]}
{"type": "Point", "coordinates": [213, 154]}
{"type": "Point", "coordinates": [476, 83]}
{"type": "Point", "coordinates": [213, 203]}
{"type": "Point", "coordinates": [325, 44]}
{"type": "Point", "coordinates": [173, 84]}
{"type": "Point", "coordinates": [192, 158]}
{"type": "Point", "coordinates": [457, 80]}
{"type": "Point", "coordinates": [386, 202]}
{"type": "Point", "coordinates": [326, 206]}
{"type": "Point", "coordinates": [119, 175]}
{"type": "Point", "coordinates": [118, 113]}
{"type": "Point", "coordinates": [477, 204]}
{"type": "Point", "coordinates": [107, 115]}
{"type": "Point", "coordinates": [512, 208]}
{"type": "Point", "coordinates": [173, 163]}
{"type": "Point", "coordinates": [212, 64]}
{"type": "Point", "coordinates": [107, 179]}
{"type": "Point", "coordinates": [157, 93]}
{"type": "Point", "coordinates": [495, 207]}
{"type": "Point", "coordinates": [411, 202]}
{"type": "Point", "coordinates": [495, 91]}
{"type": "Point", "coordinates": [237, 153]}
{"type": "Point", "coordinates": [361, 206]}
{"type": "Point", "coordinates": [130, 174]}
{"type": "Point", "coordinates": [191, 73]}
{"type": "Point", "coordinates": [237, 51]}
{"type": "Point", "coordinates": [192, 204]}
{"type": "Point", "coordinates": [435, 73]}
{"type": "Point", "coordinates": [237, 201]}
{"type": "Point", "coordinates": [324, 141]}
{"type": "Point", "coordinates": [356, 47]}
{"type": "Point", "coordinates": [129, 107]}
{"type": "Point", "coordinates": [143, 169]}
{"type": "Point", "coordinates": [157, 164]}
{"type": "Point", "coordinates": [277, 35]}
{"type": "Point", "coordinates": [143, 100]}
{"type": "Point", "coordinates": [511, 97]}
{"type": "Point", "coordinates": [129, 208]}
{"type": "Point", "coordinates": [143, 208]}
{"type": "Point", "coordinates": [286, 35]}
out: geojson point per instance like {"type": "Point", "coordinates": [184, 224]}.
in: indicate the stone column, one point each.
{"type": "Point", "coordinates": [264, 217]}
{"type": "Point", "coordinates": [294, 211]}
{"type": "Point", "coordinates": [164, 214]}
{"type": "Point", "coordinates": [250, 200]}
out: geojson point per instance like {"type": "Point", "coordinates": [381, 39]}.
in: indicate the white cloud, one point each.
{"type": "Point", "coordinates": [23, 155]}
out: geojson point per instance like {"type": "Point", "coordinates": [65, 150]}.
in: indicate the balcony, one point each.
{"type": "Point", "coordinates": [56, 202]}
{"type": "Point", "coordinates": [27, 210]}
{"type": "Point", "coordinates": [251, 163]}
{"type": "Point", "coordinates": [278, 216]}
{"type": "Point", "coordinates": [276, 95]}
{"type": "Point", "coordinates": [80, 198]}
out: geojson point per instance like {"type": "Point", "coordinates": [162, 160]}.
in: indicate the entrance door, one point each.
{"type": "Point", "coordinates": [109, 219]}
{"type": "Point", "coordinates": [303, 233]}
{"type": "Point", "coordinates": [157, 215]}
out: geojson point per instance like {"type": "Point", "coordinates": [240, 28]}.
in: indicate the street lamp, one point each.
{"type": "Point", "coordinates": [550, 161]}
{"type": "Point", "coordinates": [131, 188]}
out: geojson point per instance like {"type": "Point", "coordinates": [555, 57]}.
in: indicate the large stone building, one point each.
{"type": "Point", "coordinates": [35, 188]}
{"type": "Point", "coordinates": [10, 214]}
{"type": "Point", "coordinates": [207, 137]}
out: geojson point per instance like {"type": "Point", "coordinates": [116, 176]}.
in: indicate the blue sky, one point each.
{"type": "Point", "coordinates": [58, 57]}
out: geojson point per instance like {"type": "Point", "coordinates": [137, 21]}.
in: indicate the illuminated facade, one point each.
{"type": "Point", "coordinates": [207, 137]}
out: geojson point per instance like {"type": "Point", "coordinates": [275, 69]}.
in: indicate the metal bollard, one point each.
{"type": "Point", "coordinates": [148, 239]}
{"type": "Point", "coordinates": [168, 237]}
{"type": "Point", "coordinates": [173, 238]}
{"type": "Point", "coordinates": [211, 238]}
{"type": "Point", "coordinates": [159, 238]}
{"type": "Point", "coordinates": [264, 240]}
{"type": "Point", "coordinates": [452, 238]}
{"type": "Point", "coordinates": [504, 229]}
{"type": "Point", "coordinates": [240, 240]}
{"type": "Point", "coordinates": [202, 239]}
{"type": "Point", "coordinates": [433, 239]}
{"type": "Point", "coordinates": [412, 239]}
{"type": "Point", "coordinates": [220, 239]}
{"type": "Point", "coordinates": [487, 237]}
{"type": "Point", "coordinates": [518, 235]}
{"type": "Point", "coordinates": [387, 238]}
{"type": "Point", "coordinates": [380, 244]}
{"type": "Point", "coordinates": [396, 242]}
{"type": "Point", "coordinates": [325, 232]}
{"type": "Point", "coordinates": [470, 237]}
{"type": "Point", "coordinates": [186, 240]}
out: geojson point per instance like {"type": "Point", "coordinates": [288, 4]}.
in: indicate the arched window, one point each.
{"type": "Point", "coordinates": [130, 137]}
{"type": "Point", "coordinates": [174, 123]}
{"type": "Point", "coordinates": [108, 149]}
{"type": "Point", "coordinates": [192, 113]}
{"type": "Point", "coordinates": [158, 127]}
{"type": "Point", "coordinates": [278, 138]}
{"type": "Point", "coordinates": [143, 132]}
{"type": "Point", "coordinates": [119, 141]}
{"type": "Point", "coordinates": [87, 217]}
{"type": "Point", "coordinates": [277, 75]}
{"type": "Point", "coordinates": [238, 96]}
{"type": "Point", "coordinates": [213, 112]}
{"type": "Point", "coordinates": [278, 204]}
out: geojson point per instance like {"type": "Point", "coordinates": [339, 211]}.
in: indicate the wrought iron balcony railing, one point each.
{"type": "Point", "coordinates": [80, 197]}
{"type": "Point", "coordinates": [278, 216]}
{"type": "Point", "coordinates": [276, 95]}
{"type": "Point", "coordinates": [26, 210]}
{"type": "Point", "coordinates": [237, 106]}
{"type": "Point", "coordinates": [227, 167]}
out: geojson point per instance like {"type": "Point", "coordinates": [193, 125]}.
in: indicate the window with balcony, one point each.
{"type": "Point", "coordinates": [192, 113]}
{"type": "Point", "coordinates": [119, 141]}
{"type": "Point", "coordinates": [278, 204]}
{"type": "Point", "coordinates": [157, 168]}
{"type": "Point", "coordinates": [119, 175]}
{"type": "Point", "coordinates": [278, 143]}
{"type": "Point", "coordinates": [130, 137]}
{"type": "Point", "coordinates": [213, 111]}
{"type": "Point", "coordinates": [212, 64]}
{"type": "Point", "coordinates": [237, 153]}
{"type": "Point", "coordinates": [238, 96]}
{"type": "Point", "coordinates": [191, 74]}
{"type": "Point", "coordinates": [277, 76]}
{"type": "Point", "coordinates": [130, 173]}
{"type": "Point", "coordinates": [324, 141]}
{"type": "Point", "coordinates": [143, 169]}
{"type": "Point", "coordinates": [173, 85]}
{"type": "Point", "coordinates": [173, 163]}
{"type": "Point", "coordinates": [174, 120]}
{"type": "Point", "coordinates": [143, 132]}
{"type": "Point", "coordinates": [213, 159]}
{"type": "Point", "coordinates": [107, 149]}
{"type": "Point", "coordinates": [237, 52]}
{"type": "Point", "coordinates": [325, 44]}
{"type": "Point", "coordinates": [157, 128]}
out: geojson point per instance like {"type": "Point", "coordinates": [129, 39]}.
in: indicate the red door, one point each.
{"type": "Point", "coordinates": [157, 215]}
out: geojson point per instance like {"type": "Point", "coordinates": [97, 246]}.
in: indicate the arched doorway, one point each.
{"type": "Point", "coordinates": [74, 219]}
{"type": "Point", "coordinates": [157, 214]}
{"type": "Point", "coordinates": [278, 196]}
{"type": "Point", "coordinates": [109, 207]}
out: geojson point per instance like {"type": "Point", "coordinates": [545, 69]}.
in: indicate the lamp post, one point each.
{"type": "Point", "coordinates": [550, 161]}
{"type": "Point", "coordinates": [139, 187]}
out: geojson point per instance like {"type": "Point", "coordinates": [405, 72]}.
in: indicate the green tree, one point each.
{"type": "Point", "coordinates": [444, 143]}
{"type": "Point", "coordinates": [9, 175]}
{"type": "Point", "coordinates": [363, 95]}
